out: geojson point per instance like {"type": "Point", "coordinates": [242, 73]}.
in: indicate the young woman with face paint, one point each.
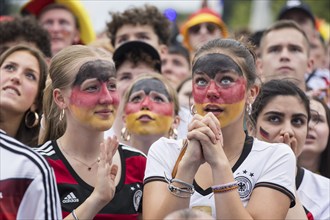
{"type": "Point", "coordinates": [151, 111]}
{"type": "Point", "coordinates": [23, 73]}
{"type": "Point", "coordinates": [93, 175]}
{"type": "Point", "coordinates": [275, 121]}
{"type": "Point", "coordinates": [220, 169]}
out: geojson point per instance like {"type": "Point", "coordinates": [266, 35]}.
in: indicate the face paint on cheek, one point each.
{"type": "Point", "coordinates": [264, 133]}
{"type": "Point", "coordinates": [82, 99]}
{"type": "Point", "coordinates": [148, 123]}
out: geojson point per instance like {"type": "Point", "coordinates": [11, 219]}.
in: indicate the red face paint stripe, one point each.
{"type": "Point", "coordinates": [264, 133]}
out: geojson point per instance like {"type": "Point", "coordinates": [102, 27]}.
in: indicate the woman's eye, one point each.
{"type": "Point", "coordinates": [226, 80]}
{"type": "Point", "coordinates": [135, 99]}
{"type": "Point", "coordinates": [298, 121]}
{"type": "Point", "coordinates": [91, 89]}
{"type": "Point", "coordinates": [112, 86]}
{"type": "Point", "coordinates": [31, 76]}
{"type": "Point", "coordinates": [201, 82]}
{"type": "Point", "coordinates": [9, 67]}
{"type": "Point", "coordinates": [274, 119]}
{"type": "Point", "coordinates": [158, 99]}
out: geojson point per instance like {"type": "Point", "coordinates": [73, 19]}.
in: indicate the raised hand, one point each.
{"type": "Point", "coordinates": [105, 187]}
{"type": "Point", "coordinates": [292, 142]}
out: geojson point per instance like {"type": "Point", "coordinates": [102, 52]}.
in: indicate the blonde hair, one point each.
{"type": "Point", "coordinates": [63, 70]}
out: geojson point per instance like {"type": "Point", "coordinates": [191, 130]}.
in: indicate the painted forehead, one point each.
{"type": "Point", "coordinates": [148, 85]}
{"type": "Point", "coordinates": [214, 63]}
{"type": "Point", "coordinates": [102, 70]}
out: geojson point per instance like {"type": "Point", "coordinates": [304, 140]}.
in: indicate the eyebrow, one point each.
{"type": "Point", "coordinates": [282, 114]}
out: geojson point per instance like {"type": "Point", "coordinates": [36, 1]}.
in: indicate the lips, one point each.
{"type": "Point", "coordinates": [285, 68]}
{"type": "Point", "coordinates": [12, 89]}
{"type": "Point", "coordinates": [145, 118]}
{"type": "Point", "coordinates": [214, 109]}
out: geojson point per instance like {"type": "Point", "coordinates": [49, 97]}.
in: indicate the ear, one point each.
{"type": "Point", "coordinates": [176, 122]}
{"type": "Point", "coordinates": [59, 98]}
{"type": "Point", "coordinates": [34, 107]}
{"type": "Point", "coordinates": [76, 37]}
{"type": "Point", "coordinates": [253, 93]}
{"type": "Point", "coordinates": [259, 67]}
{"type": "Point", "coordinates": [163, 49]}
{"type": "Point", "coordinates": [123, 117]}
{"type": "Point", "coordinates": [310, 65]}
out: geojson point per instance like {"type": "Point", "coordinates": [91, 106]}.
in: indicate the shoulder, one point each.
{"type": "Point", "coordinates": [47, 149]}
{"type": "Point", "coordinates": [279, 149]}
{"type": "Point", "coordinates": [130, 151]}
{"type": "Point", "coordinates": [165, 145]}
{"type": "Point", "coordinates": [22, 154]}
{"type": "Point", "coordinates": [317, 181]}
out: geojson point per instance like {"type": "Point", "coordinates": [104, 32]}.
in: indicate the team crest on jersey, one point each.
{"type": "Point", "coordinates": [245, 185]}
{"type": "Point", "coordinates": [137, 199]}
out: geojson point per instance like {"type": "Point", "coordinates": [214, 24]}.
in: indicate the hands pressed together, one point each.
{"type": "Point", "coordinates": [205, 140]}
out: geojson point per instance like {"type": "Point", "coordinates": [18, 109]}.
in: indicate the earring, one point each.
{"type": "Point", "coordinates": [193, 109]}
{"type": "Point", "coordinates": [173, 133]}
{"type": "Point", "coordinates": [62, 114]}
{"type": "Point", "coordinates": [124, 134]}
{"type": "Point", "coordinates": [31, 117]}
{"type": "Point", "coordinates": [249, 108]}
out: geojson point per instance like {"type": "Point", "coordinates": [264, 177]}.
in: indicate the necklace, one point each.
{"type": "Point", "coordinates": [89, 167]}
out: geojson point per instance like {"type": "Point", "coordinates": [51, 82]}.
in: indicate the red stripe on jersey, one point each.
{"type": "Point", "coordinates": [110, 216]}
{"type": "Point", "coordinates": [135, 173]}
{"type": "Point", "coordinates": [61, 172]}
{"type": "Point", "coordinates": [13, 191]}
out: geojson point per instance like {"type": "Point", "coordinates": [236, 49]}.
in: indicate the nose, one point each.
{"type": "Point", "coordinates": [203, 29]}
{"type": "Point", "coordinates": [212, 92]}
{"type": "Point", "coordinates": [166, 67]}
{"type": "Point", "coordinates": [287, 128]}
{"type": "Point", "coordinates": [285, 54]}
{"type": "Point", "coordinates": [16, 77]}
{"type": "Point", "coordinates": [145, 104]}
{"type": "Point", "coordinates": [105, 96]}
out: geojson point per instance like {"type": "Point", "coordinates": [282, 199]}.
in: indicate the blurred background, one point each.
{"type": "Point", "coordinates": [237, 14]}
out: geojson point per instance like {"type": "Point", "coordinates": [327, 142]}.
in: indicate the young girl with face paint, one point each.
{"type": "Point", "coordinates": [93, 175]}
{"type": "Point", "coordinates": [23, 73]}
{"type": "Point", "coordinates": [280, 114]}
{"type": "Point", "coordinates": [220, 169]}
{"type": "Point", "coordinates": [151, 111]}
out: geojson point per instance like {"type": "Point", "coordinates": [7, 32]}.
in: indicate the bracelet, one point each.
{"type": "Point", "coordinates": [183, 192]}
{"type": "Point", "coordinates": [74, 215]}
{"type": "Point", "coordinates": [225, 187]}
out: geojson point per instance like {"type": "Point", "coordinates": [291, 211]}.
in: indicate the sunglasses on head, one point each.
{"type": "Point", "coordinates": [210, 27]}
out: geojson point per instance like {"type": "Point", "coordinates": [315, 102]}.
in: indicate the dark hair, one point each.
{"type": "Point", "coordinates": [29, 136]}
{"type": "Point", "coordinates": [324, 167]}
{"type": "Point", "coordinates": [25, 29]}
{"type": "Point", "coordinates": [147, 15]}
{"type": "Point", "coordinates": [243, 51]}
{"type": "Point", "coordinates": [178, 49]}
{"type": "Point", "coordinates": [274, 88]}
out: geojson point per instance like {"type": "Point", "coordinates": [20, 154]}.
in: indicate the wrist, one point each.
{"type": "Point", "coordinates": [96, 201]}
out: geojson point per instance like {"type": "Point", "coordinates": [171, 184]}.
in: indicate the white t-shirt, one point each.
{"type": "Point", "coordinates": [314, 193]}
{"type": "Point", "coordinates": [260, 164]}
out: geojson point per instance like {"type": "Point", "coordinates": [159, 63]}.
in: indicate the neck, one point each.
{"type": "Point", "coordinates": [309, 160]}
{"type": "Point", "coordinates": [10, 122]}
{"type": "Point", "coordinates": [233, 141]}
{"type": "Point", "coordinates": [143, 142]}
{"type": "Point", "coordinates": [82, 143]}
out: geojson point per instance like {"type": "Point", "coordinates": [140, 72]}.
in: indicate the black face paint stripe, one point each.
{"type": "Point", "coordinates": [214, 63]}
{"type": "Point", "coordinates": [102, 70]}
{"type": "Point", "coordinates": [148, 85]}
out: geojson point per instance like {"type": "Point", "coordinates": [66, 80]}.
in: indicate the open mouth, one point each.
{"type": "Point", "coordinates": [145, 118]}
{"type": "Point", "coordinates": [214, 109]}
{"type": "Point", "coordinates": [11, 89]}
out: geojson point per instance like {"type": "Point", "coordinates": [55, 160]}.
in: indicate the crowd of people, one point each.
{"type": "Point", "coordinates": [138, 124]}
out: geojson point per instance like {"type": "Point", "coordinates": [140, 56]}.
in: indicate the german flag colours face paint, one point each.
{"type": "Point", "coordinates": [94, 99]}
{"type": "Point", "coordinates": [219, 87]}
{"type": "Point", "coordinates": [150, 109]}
